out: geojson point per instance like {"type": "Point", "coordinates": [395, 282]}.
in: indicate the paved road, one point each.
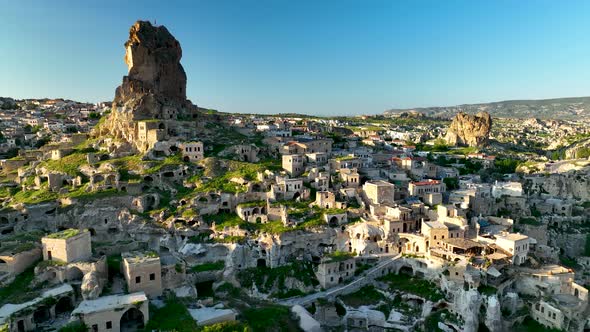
{"type": "Point", "coordinates": [304, 300]}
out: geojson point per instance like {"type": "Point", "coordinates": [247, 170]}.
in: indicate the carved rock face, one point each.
{"type": "Point", "coordinates": [153, 56]}
{"type": "Point", "coordinates": [470, 130]}
{"type": "Point", "coordinates": [153, 89]}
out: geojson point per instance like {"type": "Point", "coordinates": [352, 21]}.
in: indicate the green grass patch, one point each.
{"type": "Point", "coordinates": [19, 291]}
{"type": "Point", "coordinates": [339, 256]}
{"type": "Point", "coordinates": [487, 290]}
{"type": "Point", "coordinates": [529, 221]}
{"type": "Point", "coordinates": [267, 278]}
{"type": "Point", "coordinates": [270, 318]}
{"type": "Point", "coordinates": [69, 164]}
{"type": "Point", "coordinates": [65, 234]}
{"type": "Point", "coordinates": [367, 295]}
{"type": "Point", "coordinates": [174, 316]}
{"type": "Point", "coordinates": [413, 285]}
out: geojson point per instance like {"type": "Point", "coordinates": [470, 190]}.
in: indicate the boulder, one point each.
{"type": "Point", "coordinates": [90, 287]}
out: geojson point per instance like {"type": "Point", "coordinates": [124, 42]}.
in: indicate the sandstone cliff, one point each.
{"type": "Point", "coordinates": [470, 130]}
{"type": "Point", "coordinates": [154, 88]}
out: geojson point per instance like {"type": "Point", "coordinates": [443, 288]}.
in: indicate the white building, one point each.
{"type": "Point", "coordinates": [515, 243]}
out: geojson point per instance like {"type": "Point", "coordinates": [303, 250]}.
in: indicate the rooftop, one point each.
{"type": "Point", "coordinates": [65, 234]}
{"type": "Point", "coordinates": [512, 236]}
{"type": "Point", "coordinates": [463, 243]}
{"type": "Point", "coordinates": [138, 257]}
{"type": "Point", "coordinates": [426, 183]}
{"type": "Point", "coordinates": [208, 315]}
{"type": "Point", "coordinates": [109, 303]}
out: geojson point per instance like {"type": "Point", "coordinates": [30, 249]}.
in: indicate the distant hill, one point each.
{"type": "Point", "coordinates": [559, 108]}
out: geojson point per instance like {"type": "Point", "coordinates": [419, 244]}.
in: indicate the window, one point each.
{"type": "Point", "coordinates": [152, 276]}
{"type": "Point", "coordinates": [109, 325]}
{"type": "Point", "coordinates": [137, 280]}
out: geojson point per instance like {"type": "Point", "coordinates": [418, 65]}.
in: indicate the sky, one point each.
{"type": "Point", "coordinates": [319, 57]}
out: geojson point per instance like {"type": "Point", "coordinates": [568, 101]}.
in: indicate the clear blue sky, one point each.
{"type": "Point", "coordinates": [308, 56]}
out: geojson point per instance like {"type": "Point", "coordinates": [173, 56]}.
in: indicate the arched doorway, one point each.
{"type": "Point", "coordinates": [261, 262]}
{"type": "Point", "coordinates": [64, 305]}
{"type": "Point", "coordinates": [132, 320]}
{"type": "Point", "coordinates": [407, 270]}
{"type": "Point", "coordinates": [74, 273]}
{"type": "Point", "coordinates": [333, 222]}
{"type": "Point", "coordinates": [296, 196]}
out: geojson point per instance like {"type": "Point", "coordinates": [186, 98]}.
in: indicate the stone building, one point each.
{"type": "Point", "coordinates": [126, 312]}
{"type": "Point", "coordinates": [293, 164]}
{"type": "Point", "coordinates": [516, 244]}
{"type": "Point", "coordinates": [192, 151]}
{"type": "Point", "coordinates": [422, 188]}
{"type": "Point", "coordinates": [379, 192]}
{"type": "Point", "coordinates": [15, 258]}
{"type": "Point", "coordinates": [333, 272]}
{"type": "Point", "coordinates": [325, 199]}
{"type": "Point", "coordinates": [247, 153]}
{"type": "Point", "coordinates": [70, 245]}
{"type": "Point", "coordinates": [548, 315]}
{"type": "Point", "coordinates": [143, 272]}
{"type": "Point", "coordinates": [350, 178]}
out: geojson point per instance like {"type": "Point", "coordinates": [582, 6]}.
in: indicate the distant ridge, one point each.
{"type": "Point", "coordinates": [556, 108]}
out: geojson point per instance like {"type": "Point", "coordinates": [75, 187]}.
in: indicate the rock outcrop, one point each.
{"type": "Point", "coordinates": [155, 75]}
{"type": "Point", "coordinates": [469, 130]}
{"type": "Point", "coordinates": [90, 287]}
{"type": "Point", "coordinates": [153, 92]}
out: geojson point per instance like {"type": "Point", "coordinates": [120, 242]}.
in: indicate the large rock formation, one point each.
{"type": "Point", "coordinates": [154, 90]}
{"type": "Point", "coordinates": [152, 55]}
{"type": "Point", "coordinates": [470, 130]}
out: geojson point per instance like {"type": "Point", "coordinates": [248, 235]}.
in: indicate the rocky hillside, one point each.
{"type": "Point", "coordinates": [469, 130]}
{"type": "Point", "coordinates": [560, 108]}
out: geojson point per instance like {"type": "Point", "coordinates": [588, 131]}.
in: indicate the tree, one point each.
{"type": "Point", "coordinates": [451, 183]}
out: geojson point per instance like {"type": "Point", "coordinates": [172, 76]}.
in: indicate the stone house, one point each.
{"type": "Point", "coordinates": [17, 257]}
{"type": "Point", "coordinates": [247, 153]}
{"type": "Point", "coordinates": [379, 192]}
{"type": "Point", "coordinates": [548, 315]}
{"type": "Point", "coordinates": [125, 312]}
{"type": "Point", "coordinates": [333, 272]}
{"type": "Point", "coordinates": [288, 189]}
{"type": "Point", "coordinates": [317, 158]}
{"type": "Point", "coordinates": [143, 272]}
{"type": "Point", "coordinates": [293, 164]}
{"type": "Point", "coordinates": [350, 178]}
{"type": "Point", "coordinates": [255, 211]}
{"type": "Point", "coordinates": [70, 245]}
{"type": "Point", "coordinates": [325, 199]}
{"type": "Point", "coordinates": [422, 188]}
{"type": "Point", "coordinates": [514, 243]}
{"type": "Point", "coordinates": [192, 151]}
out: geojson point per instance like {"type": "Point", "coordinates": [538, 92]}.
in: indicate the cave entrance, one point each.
{"type": "Point", "coordinates": [63, 305]}
{"type": "Point", "coordinates": [204, 289]}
